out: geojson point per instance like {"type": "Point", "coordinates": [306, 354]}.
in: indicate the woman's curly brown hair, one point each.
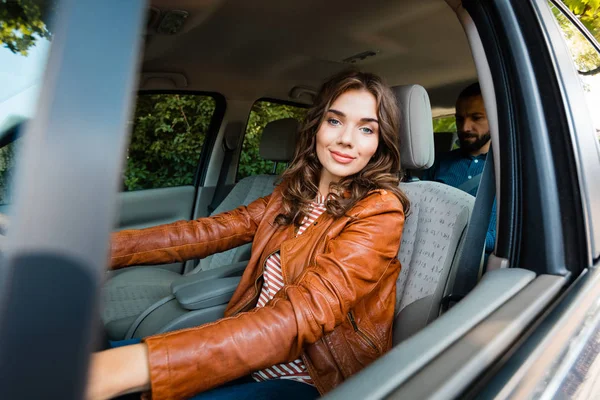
{"type": "Point", "coordinates": [301, 179]}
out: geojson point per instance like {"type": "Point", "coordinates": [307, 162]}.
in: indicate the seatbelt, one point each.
{"type": "Point", "coordinates": [231, 141]}
{"type": "Point", "coordinates": [471, 183]}
{"type": "Point", "coordinates": [469, 264]}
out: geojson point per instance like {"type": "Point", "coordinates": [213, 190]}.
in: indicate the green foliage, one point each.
{"type": "Point", "coordinates": [588, 12]}
{"type": "Point", "coordinates": [444, 124]}
{"type": "Point", "coordinates": [586, 58]}
{"type": "Point", "coordinates": [168, 133]}
{"type": "Point", "coordinates": [21, 24]}
{"type": "Point", "coordinates": [261, 114]}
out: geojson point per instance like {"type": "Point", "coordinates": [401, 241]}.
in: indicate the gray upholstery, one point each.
{"type": "Point", "coordinates": [276, 142]}
{"type": "Point", "coordinates": [128, 294]}
{"type": "Point", "coordinates": [207, 294]}
{"type": "Point", "coordinates": [432, 233]}
{"type": "Point", "coordinates": [416, 127]}
{"type": "Point", "coordinates": [435, 225]}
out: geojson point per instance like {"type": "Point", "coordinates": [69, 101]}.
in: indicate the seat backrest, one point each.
{"type": "Point", "coordinates": [433, 228]}
{"type": "Point", "coordinates": [277, 143]}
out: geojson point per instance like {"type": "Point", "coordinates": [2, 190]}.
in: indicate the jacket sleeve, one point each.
{"type": "Point", "coordinates": [185, 240]}
{"type": "Point", "coordinates": [190, 361]}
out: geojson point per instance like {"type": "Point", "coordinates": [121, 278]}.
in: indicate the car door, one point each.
{"type": "Point", "coordinates": [536, 337]}
{"type": "Point", "coordinates": [68, 172]}
{"type": "Point", "coordinates": [172, 136]}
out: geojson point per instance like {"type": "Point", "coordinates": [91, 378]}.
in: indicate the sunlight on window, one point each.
{"type": "Point", "coordinates": [586, 59]}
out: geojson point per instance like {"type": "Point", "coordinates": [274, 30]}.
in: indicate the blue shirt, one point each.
{"type": "Point", "coordinates": [455, 168]}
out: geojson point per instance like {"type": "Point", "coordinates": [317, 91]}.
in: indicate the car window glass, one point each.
{"type": "Point", "coordinates": [585, 56]}
{"type": "Point", "coordinates": [263, 112]}
{"type": "Point", "coordinates": [446, 125]}
{"type": "Point", "coordinates": [25, 43]}
{"type": "Point", "coordinates": [168, 133]}
{"type": "Point", "coordinates": [588, 12]}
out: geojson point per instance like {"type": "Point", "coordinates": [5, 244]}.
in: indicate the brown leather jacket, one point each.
{"type": "Point", "coordinates": [336, 310]}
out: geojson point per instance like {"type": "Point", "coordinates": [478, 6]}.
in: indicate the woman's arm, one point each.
{"type": "Point", "coordinates": [190, 361]}
{"type": "Point", "coordinates": [118, 371]}
{"type": "Point", "coordinates": [186, 362]}
{"type": "Point", "coordinates": [186, 240]}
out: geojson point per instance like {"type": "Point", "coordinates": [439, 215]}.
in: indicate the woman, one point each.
{"type": "Point", "coordinates": [316, 302]}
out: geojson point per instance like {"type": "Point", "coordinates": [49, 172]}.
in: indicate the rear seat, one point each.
{"type": "Point", "coordinates": [132, 292]}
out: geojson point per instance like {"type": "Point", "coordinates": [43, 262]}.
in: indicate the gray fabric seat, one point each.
{"type": "Point", "coordinates": [131, 292]}
{"type": "Point", "coordinates": [435, 225]}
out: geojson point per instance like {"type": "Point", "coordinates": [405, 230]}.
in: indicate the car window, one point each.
{"type": "Point", "coordinates": [25, 43]}
{"type": "Point", "coordinates": [168, 133]}
{"type": "Point", "coordinates": [587, 11]}
{"type": "Point", "coordinates": [446, 125]}
{"type": "Point", "coordinates": [585, 56]}
{"type": "Point", "coordinates": [263, 112]}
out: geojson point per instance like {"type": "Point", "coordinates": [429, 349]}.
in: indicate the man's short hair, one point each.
{"type": "Point", "coordinates": [470, 91]}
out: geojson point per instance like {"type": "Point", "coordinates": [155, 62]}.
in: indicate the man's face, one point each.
{"type": "Point", "coordinates": [472, 125]}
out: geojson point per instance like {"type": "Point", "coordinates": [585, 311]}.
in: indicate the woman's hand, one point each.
{"type": "Point", "coordinates": [118, 371]}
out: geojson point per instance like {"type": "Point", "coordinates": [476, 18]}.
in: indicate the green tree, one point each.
{"type": "Point", "coordinates": [169, 131]}
{"type": "Point", "coordinates": [22, 24]}
{"type": "Point", "coordinates": [444, 124]}
{"type": "Point", "coordinates": [588, 12]}
{"type": "Point", "coordinates": [585, 56]}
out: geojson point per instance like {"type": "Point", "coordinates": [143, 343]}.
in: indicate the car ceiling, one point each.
{"type": "Point", "coordinates": [263, 48]}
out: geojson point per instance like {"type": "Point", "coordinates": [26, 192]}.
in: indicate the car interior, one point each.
{"type": "Point", "coordinates": [426, 69]}
{"type": "Point", "coordinates": [243, 55]}
{"type": "Point", "coordinates": [142, 301]}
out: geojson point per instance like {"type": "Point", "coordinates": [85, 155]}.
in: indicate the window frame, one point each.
{"type": "Point", "coordinates": [71, 161]}
{"type": "Point", "coordinates": [581, 126]}
{"type": "Point", "coordinates": [542, 224]}
{"type": "Point", "coordinates": [211, 134]}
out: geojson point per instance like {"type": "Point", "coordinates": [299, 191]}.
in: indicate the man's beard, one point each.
{"type": "Point", "coordinates": [472, 147]}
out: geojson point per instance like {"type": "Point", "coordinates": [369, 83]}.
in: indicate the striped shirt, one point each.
{"type": "Point", "coordinates": [273, 282]}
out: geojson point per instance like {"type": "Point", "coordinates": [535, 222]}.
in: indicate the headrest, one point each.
{"type": "Point", "coordinates": [416, 127]}
{"type": "Point", "coordinates": [278, 140]}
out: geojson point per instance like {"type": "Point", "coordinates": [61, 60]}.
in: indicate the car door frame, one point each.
{"type": "Point", "coordinates": [67, 177]}
{"type": "Point", "coordinates": [539, 230]}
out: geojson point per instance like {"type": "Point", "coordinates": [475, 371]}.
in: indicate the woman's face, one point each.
{"type": "Point", "coordinates": [348, 136]}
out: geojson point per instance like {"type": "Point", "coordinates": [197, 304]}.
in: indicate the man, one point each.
{"type": "Point", "coordinates": [462, 167]}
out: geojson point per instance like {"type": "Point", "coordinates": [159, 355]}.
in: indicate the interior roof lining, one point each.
{"type": "Point", "coordinates": [248, 51]}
